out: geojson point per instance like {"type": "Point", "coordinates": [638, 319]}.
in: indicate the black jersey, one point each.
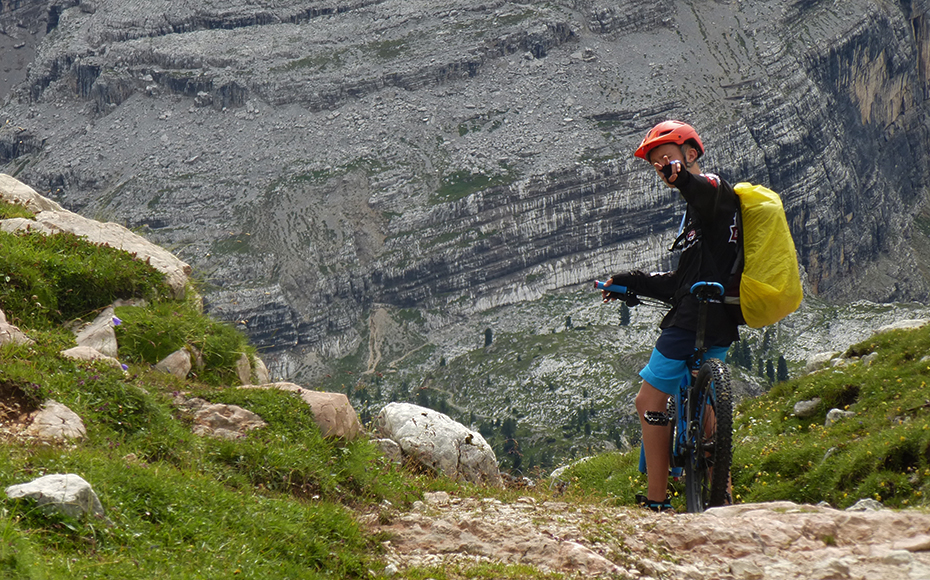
{"type": "Point", "coordinates": [709, 242]}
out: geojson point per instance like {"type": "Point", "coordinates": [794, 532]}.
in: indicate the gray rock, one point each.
{"type": "Point", "coordinates": [244, 369]}
{"type": "Point", "coordinates": [911, 324]}
{"type": "Point", "coordinates": [56, 422]}
{"type": "Point", "coordinates": [805, 409]}
{"type": "Point", "coordinates": [390, 449]}
{"type": "Point", "coordinates": [10, 334]}
{"type": "Point", "coordinates": [100, 334]}
{"type": "Point", "coordinates": [224, 421]}
{"type": "Point", "coordinates": [819, 361]}
{"type": "Point", "coordinates": [866, 505]}
{"type": "Point", "coordinates": [68, 494]}
{"type": "Point", "coordinates": [437, 442]}
{"type": "Point", "coordinates": [90, 354]}
{"type": "Point", "coordinates": [177, 363]}
{"type": "Point", "coordinates": [834, 415]}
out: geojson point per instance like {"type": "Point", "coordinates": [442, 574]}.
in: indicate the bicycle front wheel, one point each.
{"type": "Point", "coordinates": [710, 436]}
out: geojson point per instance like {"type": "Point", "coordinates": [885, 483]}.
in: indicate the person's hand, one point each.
{"type": "Point", "coordinates": [609, 296]}
{"type": "Point", "coordinates": [668, 168]}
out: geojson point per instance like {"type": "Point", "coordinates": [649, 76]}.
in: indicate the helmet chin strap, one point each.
{"type": "Point", "coordinates": [688, 164]}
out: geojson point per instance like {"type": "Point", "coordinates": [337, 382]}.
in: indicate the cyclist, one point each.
{"type": "Point", "coordinates": [708, 239]}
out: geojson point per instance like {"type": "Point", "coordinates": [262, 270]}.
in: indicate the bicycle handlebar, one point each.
{"type": "Point", "coordinates": [707, 290]}
{"type": "Point", "coordinates": [615, 288]}
{"type": "Point", "coordinates": [703, 291]}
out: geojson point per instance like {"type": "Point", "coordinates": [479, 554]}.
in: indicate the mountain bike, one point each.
{"type": "Point", "coordinates": [700, 413]}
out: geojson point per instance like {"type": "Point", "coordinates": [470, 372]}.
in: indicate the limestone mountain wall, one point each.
{"type": "Point", "coordinates": [316, 159]}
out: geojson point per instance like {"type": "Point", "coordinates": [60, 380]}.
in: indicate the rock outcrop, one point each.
{"type": "Point", "coordinates": [219, 420]}
{"type": "Point", "coordinates": [11, 334]}
{"type": "Point", "coordinates": [90, 354]}
{"type": "Point", "coordinates": [773, 541]}
{"type": "Point", "coordinates": [52, 218]}
{"type": "Point", "coordinates": [319, 160]}
{"type": "Point", "coordinates": [436, 442]}
{"type": "Point", "coordinates": [99, 334]}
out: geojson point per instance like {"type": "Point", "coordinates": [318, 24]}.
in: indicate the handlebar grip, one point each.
{"type": "Point", "coordinates": [713, 286]}
{"type": "Point", "coordinates": [615, 288]}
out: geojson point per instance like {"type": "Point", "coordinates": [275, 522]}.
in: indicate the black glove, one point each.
{"type": "Point", "coordinates": [628, 279]}
{"type": "Point", "coordinates": [684, 176]}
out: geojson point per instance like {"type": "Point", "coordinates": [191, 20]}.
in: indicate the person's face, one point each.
{"type": "Point", "coordinates": [665, 154]}
{"type": "Point", "coordinates": [670, 150]}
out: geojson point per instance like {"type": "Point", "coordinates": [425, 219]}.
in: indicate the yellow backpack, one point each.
{"type": "Point", "coordinates": [770, 286]}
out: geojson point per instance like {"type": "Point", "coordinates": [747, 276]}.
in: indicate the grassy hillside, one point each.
{"type": "Point", "coordinates": [283, 502]}
{"type": "Point", "coordinates": [273, 505]}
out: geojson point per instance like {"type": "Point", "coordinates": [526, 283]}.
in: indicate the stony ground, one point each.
{"type": "Point", "coordinates": [774, 541]}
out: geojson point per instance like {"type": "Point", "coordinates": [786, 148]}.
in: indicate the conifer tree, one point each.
{"type": "Point", "coordinates": [624, 314]}
{"type": "Point", "coordinates": [745, 359]}
{"type": "Point", "coordinates": [782, 372]}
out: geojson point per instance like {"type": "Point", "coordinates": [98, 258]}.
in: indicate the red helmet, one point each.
{"type": "Point", "coordinates": [669, 132]}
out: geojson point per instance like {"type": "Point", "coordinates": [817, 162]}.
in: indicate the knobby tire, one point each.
{"type": "Point", "coordinates": [707, 467]}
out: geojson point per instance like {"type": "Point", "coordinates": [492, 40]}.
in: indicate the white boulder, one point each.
{"type": "Point", "coordinates": [55, 422]}
{"type": "Point", "coordinates": [437, 442]}
{"type": "Point", "coordinates": [66, 493]}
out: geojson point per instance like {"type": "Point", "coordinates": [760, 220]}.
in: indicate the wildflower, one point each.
{"type": "Point", "coordinates": [125, 367]}
{"type": "Point", "coordinates": [116, 321]}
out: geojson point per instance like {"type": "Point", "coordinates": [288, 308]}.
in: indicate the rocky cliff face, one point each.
{"type": "Point", "coordinates": [316, 159]}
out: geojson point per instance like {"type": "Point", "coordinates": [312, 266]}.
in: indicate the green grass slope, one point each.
{"type": "Point", "coordinates": [277, 504]}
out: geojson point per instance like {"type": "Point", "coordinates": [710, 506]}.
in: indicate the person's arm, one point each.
{"type": "Point", "coordinates": [700, 191]}
{"type": "Point", "coordinates": [659, 286]}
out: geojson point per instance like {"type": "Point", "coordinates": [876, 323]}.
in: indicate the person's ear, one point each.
{"type": "Point", "coordinates": [691, 155]}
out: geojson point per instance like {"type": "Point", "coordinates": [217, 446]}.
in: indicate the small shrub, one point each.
{"type": "Point", "coordinates": [47, 280]}
{"type": "Point", "coordinates": [148, 335]}
{"type": "Point", "coordinates": [12, 210]}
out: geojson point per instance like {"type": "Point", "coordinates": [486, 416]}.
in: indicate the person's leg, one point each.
{"type": "Point", "coordinates": [655, 441]}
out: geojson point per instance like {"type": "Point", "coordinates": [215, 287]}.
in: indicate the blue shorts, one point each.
{"type": "Point", "coordinates": [668, 366]}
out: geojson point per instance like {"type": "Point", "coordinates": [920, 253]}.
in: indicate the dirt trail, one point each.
{"type": "Point", "coordinates": [377, 321]}
{"type": "Point", "coordinates": [772, 541]}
